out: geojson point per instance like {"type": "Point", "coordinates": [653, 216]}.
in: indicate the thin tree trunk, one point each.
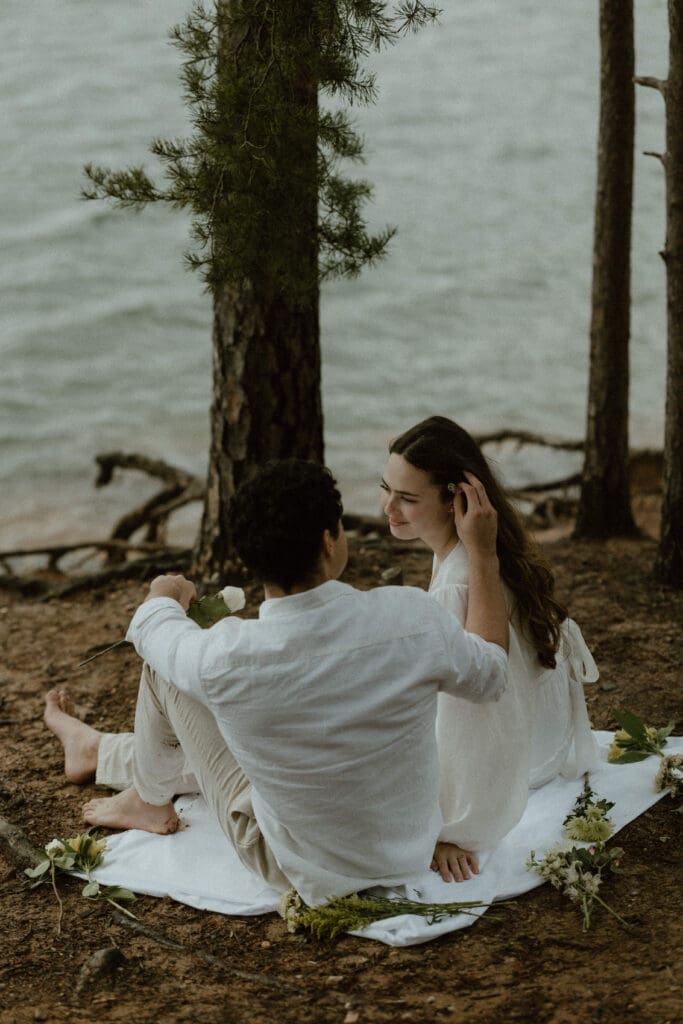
{"type": "Point", "coordinates": [605, 507]}
{"type": "Point", "coordinates": [266, 344]}
{"type": "Point", "coordinates": [669, 562]}
{"type": "Point", "coordinates": [266, 404]}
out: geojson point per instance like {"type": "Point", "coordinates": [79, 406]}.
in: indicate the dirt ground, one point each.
{"type": "Point", "coordinates": [528, 962]}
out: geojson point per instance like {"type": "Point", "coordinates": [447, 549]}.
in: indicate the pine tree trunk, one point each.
{"type": "Point", "coordinates": [266, 343]}
{"type": "Point", "coordinates": [604, 507]}
{"type": "Point", "coordinates": [266, 404]}
{"type": "Point", "coordinates": [669, 562]}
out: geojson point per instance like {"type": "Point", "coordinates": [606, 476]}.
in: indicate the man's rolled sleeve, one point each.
{"type": "Point", "coordinates": [478, 668]}
{"type": "Point", "coordinates": [171, 643]}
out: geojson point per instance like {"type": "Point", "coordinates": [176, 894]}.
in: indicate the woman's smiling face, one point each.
{"type": "Point", "coordinates": [413, 504]}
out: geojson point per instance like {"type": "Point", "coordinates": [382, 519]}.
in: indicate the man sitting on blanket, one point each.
{"type": "Point", "coordinates": [310, 730]}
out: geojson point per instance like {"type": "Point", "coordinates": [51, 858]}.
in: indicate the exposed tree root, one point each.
{"type": "Point", "coordinates": [549, 502]}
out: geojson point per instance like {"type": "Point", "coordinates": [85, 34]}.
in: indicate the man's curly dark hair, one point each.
{"type": "Point", "coordinates": [278, 519]}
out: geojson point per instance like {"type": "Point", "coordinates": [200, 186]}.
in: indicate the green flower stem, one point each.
{"type": "Point", "coordinates": [349, 913]}
{"type": "Point", "coordinates": [59, 901]}
{"type": "Point", "coordinates": [123, 910]}
{"type": "Point", "coordinates": [612, 912]}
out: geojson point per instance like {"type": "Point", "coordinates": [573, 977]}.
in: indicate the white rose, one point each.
{"type": "Point", "coordinates": [234, 598]}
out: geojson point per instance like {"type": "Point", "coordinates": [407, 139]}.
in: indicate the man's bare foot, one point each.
{"type": "Point", "coordinates": [128, 810]}
{"type": "Point", "coordinates": [80, 741]}
{"type": "Point", "coordinates": [451, 861]}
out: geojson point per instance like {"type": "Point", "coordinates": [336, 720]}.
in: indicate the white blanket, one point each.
{"type": "Point", "coordinates": [197, 865]}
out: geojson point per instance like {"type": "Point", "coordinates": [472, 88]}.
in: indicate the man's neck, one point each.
{"type": "Point", "coordinates": [271, 590]}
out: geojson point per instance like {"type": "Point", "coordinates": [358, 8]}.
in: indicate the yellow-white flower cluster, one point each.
{"type": "Point", "coordinates": [290, 908]}
{"type": "Point", "coordinates": [577, 873]}
{"type": "Point", "coordinates": [79, 853]}
{"type": "Point", "coordinates": [670, 775]}
{"type": "Point", "coordinates": [590, 827]}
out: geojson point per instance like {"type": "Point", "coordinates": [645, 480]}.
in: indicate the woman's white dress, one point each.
{"type": "Point", "coordinates": [491, 754]}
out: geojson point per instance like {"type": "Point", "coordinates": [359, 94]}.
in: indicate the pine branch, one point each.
{"type": "Point", "coordinates": [131, 188]}
{"type": "Point", "coordinates": [249, 76]}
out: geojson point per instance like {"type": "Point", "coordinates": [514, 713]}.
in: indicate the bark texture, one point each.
{"type": "Point", "coordinates": [669, 562]}
{"type": "Point", "coordinates": [266, 403]}
{"type": "Point", "coordinates": [266, 337]}
{"type": "Point", "coordinates": [604, 507]}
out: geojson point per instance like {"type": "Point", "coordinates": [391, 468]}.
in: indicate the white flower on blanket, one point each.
{"type": "Point", "coordinates": [82, 853]}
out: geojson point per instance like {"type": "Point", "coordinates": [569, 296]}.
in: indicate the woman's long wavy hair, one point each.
{"type": "Point", "coordinates": [441, 448]}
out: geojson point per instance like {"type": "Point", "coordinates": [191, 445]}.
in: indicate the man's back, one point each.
{"type": "Point", "coordinates": [328, 702]}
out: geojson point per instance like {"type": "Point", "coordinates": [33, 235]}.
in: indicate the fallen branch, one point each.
{"type": "Point", "coordinates": [207, 958]}
{"type": "Point", "coordinates": [153, 513]}
{"type": "Point", "coordinates": [534, 491]}
{"type": "Point", "coordinates": [57, 551]}
{"type": "Point", "coordinates": [526, 437]}
{"type": "Point", "coordinates": [141, 568]}
{"type": "Point", "coordinates": [18, 846]}
{"type": "Point", "coordinates": [109, 461]}
{"type": "Point", "coordinates": [29, 587]}
{"type": "Point", "coordinates": [181, 489]}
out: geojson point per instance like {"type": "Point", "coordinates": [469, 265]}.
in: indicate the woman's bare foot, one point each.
{"type": "Point", "coordinates": [80, 741]}
{"type": "Point", "coordinates": [451, 861]}
{"type": "Point", "coordinates": [128, 810]}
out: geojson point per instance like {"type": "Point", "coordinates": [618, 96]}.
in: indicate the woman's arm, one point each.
{"type": "Point", "coordinates": [476, 521]}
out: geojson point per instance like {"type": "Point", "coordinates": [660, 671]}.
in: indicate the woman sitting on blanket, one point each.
{"type": "Point", "coordinates": [490, 755]}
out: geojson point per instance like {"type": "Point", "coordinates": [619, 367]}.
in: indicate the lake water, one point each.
{"type": "Point", "coordinates": [482, 151]}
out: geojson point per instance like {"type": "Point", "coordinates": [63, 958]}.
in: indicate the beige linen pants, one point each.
{"type": "Point", "coordinates": [178, 748]}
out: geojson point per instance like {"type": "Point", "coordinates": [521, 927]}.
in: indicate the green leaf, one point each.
{"type": "Point", "coordinates": [38, 871]}
{"type": "Point", "coordinates": [666, 731]}
{"type": "Point", "coordinates": [208, 610]}
{"type": "Point", "coordinates": [91, 889]}
{"type": "Point", "coordinates": [630, 757]}
{"type": "Point", "coordinates": [633, 725]}
{"type": "Point", "coordinates": [65, 862]}
{"type": "Point", "coordinates": [117, 893]}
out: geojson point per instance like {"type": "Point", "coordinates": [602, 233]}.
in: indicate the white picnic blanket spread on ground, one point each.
{"type": "Point", "coordinates": [198, 866]}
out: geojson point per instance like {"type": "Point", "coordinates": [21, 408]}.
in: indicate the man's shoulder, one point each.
{"type": "Point", "coordinates": [413, 600]}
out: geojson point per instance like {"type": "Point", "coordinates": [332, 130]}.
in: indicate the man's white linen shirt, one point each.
{"type": "Point", "coordinates": [328, 703]}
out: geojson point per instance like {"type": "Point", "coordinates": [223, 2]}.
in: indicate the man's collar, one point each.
{"type": "Point", "coordinates": [293, 604]}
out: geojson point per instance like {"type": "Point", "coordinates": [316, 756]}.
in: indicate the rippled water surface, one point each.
{"type": "Point", "coordinates": [482, 151]}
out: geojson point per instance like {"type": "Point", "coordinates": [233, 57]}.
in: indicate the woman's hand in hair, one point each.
{"type": "Point", "coordinates": [452, 862]}
{"type": "Point", "coordinates": [476, 520]}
